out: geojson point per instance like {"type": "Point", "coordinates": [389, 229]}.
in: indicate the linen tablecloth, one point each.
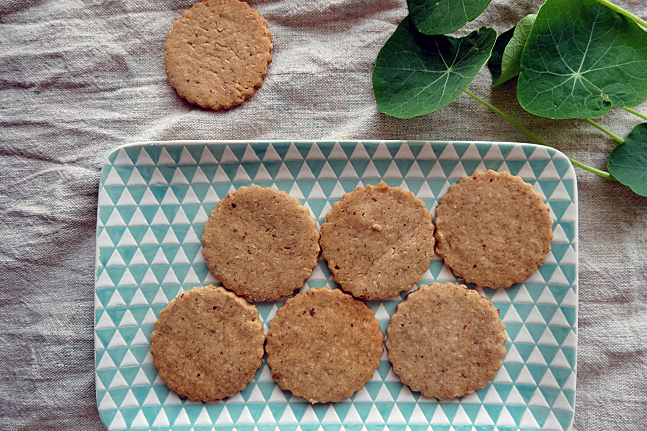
{"type": "Point", "coordinates": [80, 78]}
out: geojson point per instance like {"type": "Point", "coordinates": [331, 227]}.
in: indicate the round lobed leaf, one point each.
{"type": "Point", "coordinates": [416, 74]}
{"type": "Point", "coordinates": [580, 59]}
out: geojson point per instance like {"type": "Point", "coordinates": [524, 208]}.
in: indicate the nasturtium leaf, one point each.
{"type": "Point", "coordinates": [505, 61]}
{"type": "Point", "coordinates": [494, 63]}
{"type": "Point", "coordinates": [444, 16]}
{"type": "Point", "coordinates": [580, 59]}
{"type": "Point", "coordinates": [628, 161]}
{"type": "Point", "coordinates": [416, 74]}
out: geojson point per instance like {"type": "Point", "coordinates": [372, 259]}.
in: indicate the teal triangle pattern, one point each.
{"type": "Point", "coordinates": [154, 199]}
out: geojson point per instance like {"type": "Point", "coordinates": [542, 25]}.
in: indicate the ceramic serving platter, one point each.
{"type": "Point", "coordinates": [154, 199]}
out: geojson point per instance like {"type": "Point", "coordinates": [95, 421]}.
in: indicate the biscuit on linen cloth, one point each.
{"type": "Point", "coordinates": [217, 54]}
{"type": "Point", "coordinates": [378, 241]}
{"type": "Point", "coordinates": [445, 340]}
{"type": "Point", "coordinates": [493, 229]}
{"type": "Point", "coordinates": [261, 243]}
{"type": "Point", "coordinates": [323, 345]}
{"type": "Point", "coordinates": [207, 343]}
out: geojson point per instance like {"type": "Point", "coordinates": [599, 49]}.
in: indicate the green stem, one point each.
{"type": "Point", "coordinates": [636, 113]}
{"type": "Point", "coordinates": [514, 122]}
{"type": "Point", "coordinates": [623, 12]}
{"type": "Point", "coordinates": [603, 174]}
{"type": "Point", "coordinates": [615, 137]}
{"type": "Point", "coordinates": [534, 137]}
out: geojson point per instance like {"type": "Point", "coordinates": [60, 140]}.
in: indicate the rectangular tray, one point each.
{"type": "Point", "coordinates": [154, 199]}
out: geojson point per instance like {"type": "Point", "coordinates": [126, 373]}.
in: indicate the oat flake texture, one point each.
{"type": "Point", "coordinates": [207, 343]}
{"type": "Point", "coordinates": [446, 341]}
{"type": "Point", "coordinates": [217, 54]}
{"type": "Point", "coordinates": [378, 241]}
{"type": "Point", "coordinates": [493, 229]}
{"type": "Point", "coordinates": [261, 243]}
{"type": "Point", "coordinates": [323, 345]}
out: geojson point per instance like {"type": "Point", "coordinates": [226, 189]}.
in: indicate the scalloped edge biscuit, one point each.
{"type": "Point", "coordinates": [217, 53]}
{"type": "Point", "coordinates": [378, 241]}
{"type": "Point", "coordinates": [445, 340]}
{"type": "Point", "coordinates": [323, 345]}
{"type": "Point", "coordinates": [261, 243]}
{"type": "Point", "coordinates": [207, 343]}
{"type": "Point", "coordinates": [493, 229]}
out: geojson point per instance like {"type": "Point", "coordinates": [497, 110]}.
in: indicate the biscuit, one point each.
{"type": "Point", "coordinates": [323, 345]}
{"type": "Point", "coordinates": [378, 241]}
{"type": "Point", "coordinates": [207, 343]}
{"type": "Point", "coordinates": [261, 243]}
{"type": "Point", "coordinates": [217, 54]}
{"type": "Point", "coordinates": [493, 229]}
{"type": "Point", "coordinates": [446, 341]}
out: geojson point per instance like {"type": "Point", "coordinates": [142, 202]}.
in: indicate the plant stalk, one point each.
{"type": "Point", "coordinates": [623, 12]}
{"type": "Point", "coordinates": [615, 137]}
{"type": "Point", "coordinates": [514, 122]}
{"type": "Point", "coordinates": [534, 137]}
{"type": "Point", "coordinates": [636, 113]}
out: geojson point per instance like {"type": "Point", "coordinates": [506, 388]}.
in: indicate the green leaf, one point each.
{"type": "Point", "coordinates": [494, 63]}
{"type": "Point", "coordinates": [444, 16]}
{"type": "Point", "coordinates": [628, 161]}
{"type": "Point", "coordinates": [509, 56]}
{"type": "Point", "coordinates": [580, 59]}
{"type": "Point", "coordinates": [416, 74]}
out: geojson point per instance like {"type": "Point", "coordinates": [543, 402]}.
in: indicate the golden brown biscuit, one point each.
{"type": "Point", "coordinates": [378, 241]}
{"type": "Point", "coordinates": [493, 229]}
{"type": "Point", "coordinates": [207, 343]}
{"type": "Point", "coordinates": [261, 243]}
{"type": "Point", "coordinates": [323, 345]}
{"type": "Point", "coordinates": [446, 341]}
{"type": "Point", "coordinates": [217, 53]}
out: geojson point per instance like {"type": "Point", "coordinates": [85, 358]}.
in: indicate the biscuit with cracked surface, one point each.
{"type": "Point", "coordinates": [378, 241]}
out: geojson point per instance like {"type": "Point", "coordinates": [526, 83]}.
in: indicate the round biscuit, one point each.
{"type": "Point", "coordinates": [493, 229]}
{"type": "Point", "coordinates": [445, 340]}
{"type": "Point", "coordinates": [207, 343]}
{"type": "Point", "coordinates": [323, 345]}
{"type": "Point", "coordinates": [378, 241]}
{"type": "Point", "coordinates": [217, 54]}
{"type": "Point", "coordinates": [261, 243]}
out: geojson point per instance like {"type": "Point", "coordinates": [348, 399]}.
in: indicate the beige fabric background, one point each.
{"type": "Point", "coordinates": [79, 78]}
